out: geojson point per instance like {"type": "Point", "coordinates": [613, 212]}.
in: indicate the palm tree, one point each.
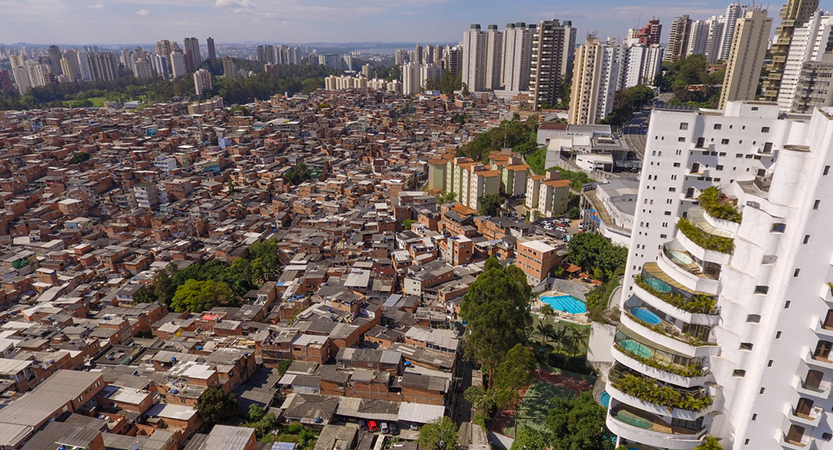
{"type": "Point", "coordinates": [542, 331]}
{"type": "Point", "coordinates": [575, 337]}
{"type": "Point", "coordinates": [559, 336]}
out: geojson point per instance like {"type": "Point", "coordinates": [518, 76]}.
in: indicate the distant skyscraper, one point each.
{"type": "Point", "coordinates": [212, 53]}
{"type": "Point", "coordinates": [202, 81]}
{"type": "Point", "coordinates": [6, 80]}
{"type": "Point", "coordinates": [410, 78]}
{"type": "Point", "coordinates": [54, 59]}
{"type": "Point", "coordinates": [794, 15]}
{"type": "Point", "coordinates": [553, 50]}
{"type": "Point", "coordinates": [177, 65]}
{"type": "Point", "coordinates": [698, 38]}
{"type": "Point", "coordinates": [192, 51]}
{"type": "Point", "coordinates": [85, 66]}
{"type": "Point", "coordinates": [716, 25]}
{"type": "Point", "coordinates": [164, 47]}
{"type": "Point", "coordinates": [809, 46]}
{"type": "Point", "coordinates": [259, 56]}
{"type": "Point", "coordinates": [595, 80]}
{"type": "Point", "coordinates": [21, 79]}
{"type": "Point", "coordinates": [455, 59]}
{"type": "Point", "coordinates": [474, 59]}
{"type": "Point", "coordinates": [733, 12]}
{"type": "Point", "coordinates": [746, 58]}
{"type": "Point", "coordinates": [399, 57]}
{"type": "Point", "coordinates": [104, 66]}
{"type": "Point", "coordinates": [678, 40]}
{"type": "Point", "coordinates": [650, 34]}
{"type": "Point", "coordinates": [640, 65]}
{"type": "Point", "coordinates": [418, 58]}
{"type": "Point", "coordinates": [494, 54]}
{"type": "Point", "coordinates": [517, 56]}
{"type": "Point", "coordinates": [229, 68]}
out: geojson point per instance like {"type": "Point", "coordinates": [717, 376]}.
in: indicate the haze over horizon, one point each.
{"type": "Point", "coordinates": [116, 22]}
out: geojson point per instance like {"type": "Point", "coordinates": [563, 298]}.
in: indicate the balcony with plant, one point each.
{"type": "Point", "coordinates": [646, 354]}
{"type": "Point", "coordinates": [650, 391]}
{"type": "Point", "coordinates": [705, 240]}
{"type": "Point", "coordinates": [671, 331]}
{"type": "Point", "coordinates": [695, 303]}
{"type": "Point", "coordinates": [713, 203]}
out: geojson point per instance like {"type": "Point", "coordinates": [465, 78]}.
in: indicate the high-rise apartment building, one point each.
{"type": "Point", "coordinates": [192, 52]}
{"type": "Point", "coordinates": [746, 59]}
{"type": "Point", "coordinates": [649, 34]}
{"type": "Point", "coordinates": [810, 43]}
{"type": "Point", "coordinates": [517, 56]}
{"type": "Point", "coordinates": [698, 38]}
{"type": "Point", "coordinates": [103, 66]}
{"type": "Point", "coordinates": [794, 14]}
{"type": "Point", "coordinates": [553, 53]}
{"type": "Point", "coordinates": [177, 65]}
{"type": "Point", "coordinates": [202, 81]}
{"type": "Point", "coordinates": [678, 40]}
{"type": "Point", "coordinates": [733, 12]}
{"type": "Point", "coordinates": [21, 79]}
{"type": "Point", "coordinates": [640, 65]}
{"type": "Point", "coordinates": [212, 53]}
{"type": "Point", "coordinates": [814, 87]}
{"type": "Point", "coordinates": [716, 25]}
{"type": "Point", "coordinates": [474, 59]}
{"type": "Point", "coordinates": [410, 78]}
{"type": "Point", "coordinates": [595, 81]}
{"type": "Point", "coordinates": [229, 68]}
{"type": "Point", "coordinates": [259, 56]}
{"type": "Point", "coordinates": [725, 304]}
{"type": "Point", "coordinates": [494, 55]}
{"type": "Point", "coordinates": [54, 59]}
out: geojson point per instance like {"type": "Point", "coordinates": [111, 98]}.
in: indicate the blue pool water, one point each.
{"type": "Point", "coordinates": [658, 285]}
{"type": "Point", "coordinates": [566, 303]}
{"type": "Point", "coordinates": [604, 399]}
{"type": "Point", "coordinates": [637, 348]}
{"type": "Point", "coordinates": [645, 316]}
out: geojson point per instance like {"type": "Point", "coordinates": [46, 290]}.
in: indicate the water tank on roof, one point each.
{"type": "Point", "coordinates": [199, 347]}
{"type": "Point", "coordinates": [173, 359]}
{"type": "Point", "coordinates": [174, 391]}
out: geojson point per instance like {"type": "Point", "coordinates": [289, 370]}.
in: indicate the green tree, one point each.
{"type": "Point", "coordinates": [592, 251]}
{"type": "Point", "coordinates": [517, 369]}
{"type": "Point", "coordinates": [530, 439]}
{"type": "Point", "coordinates": [298, 174]}
{"type": "Point", "coordinates": [496, 310]}
{"type": "Point", "coordinates": [264, 260]}
{"type": "Point", "coordinates": [239, 277]}
{"type": "Point", "coordinates": [214, 405]}
{"type": "Point", "coordinates": [628, 101]}
{"type": "Point", "coordinates": [144, 295]}
{"type": "Point", "coordinates": [163, 286]}
{"type": "Point", "coordinates": [574, 213]}
{"type": "Point", "coordinates": [283, 366]}
{"type": "Point", "coordinates": [547, 310]}
{"type": "Point", "coordinates": [406, 224]}
{"type": "Point", "coordinates": [80, 157]}
{"type": "Point", "coordinates": [709, 443]}
{"type": "Point", "coordinates": [489, 204]}
{"type": "Point", "coordinates": [579, 424]}
{"type": "Point", "coordinates": [440, 434]}
{"type": "Point", "coordinates": [198, 296]}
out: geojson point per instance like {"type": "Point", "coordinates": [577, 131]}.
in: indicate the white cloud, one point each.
{"type": "Point", "coordinates": [96, 6]}
{"type": "Point", "coordinates": [237, 4]}
{"type": "Point", "coordinates": [142, 12]}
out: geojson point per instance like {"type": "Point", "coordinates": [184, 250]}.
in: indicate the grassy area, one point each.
{"type": "Point", "coordinates": [536, 404]}
{"type": "Point", "coordinates": [97, 102]}
{"type": "Point", "coordinates": [543, 341]}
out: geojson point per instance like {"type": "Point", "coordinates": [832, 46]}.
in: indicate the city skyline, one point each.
{"type": "Point", "coordinates": [123, 22]}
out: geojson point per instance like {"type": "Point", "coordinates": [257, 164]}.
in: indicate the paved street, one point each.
{"type": "Point", "coordinates": [635, 135]}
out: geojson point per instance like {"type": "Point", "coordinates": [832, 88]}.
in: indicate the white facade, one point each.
{"type": "Point", "coordinates": [640, 65]}
{"type": "Point", "coordinates": [517, 55]}
{"type": "Point", "coordinates": [410, 78]}
{"type": "Point", "coordinates": [494, 57]}
{"type": "Point", "coordinates": [177, 64]}
{"type": "Point", "coordinates": [716, 26]}
{"type": "Point", "coordinates": [202, 81]}
{"type": "Point", "coordinates": [809, 43]}
{"type": "Point", "coordinates": [474, 59]}
{"type": "Point", "coordinates": [766, 347]}
{"type": "Point", "coordinates": [698, 38]}
{"type": "Point", "coordinates": [733, 12]}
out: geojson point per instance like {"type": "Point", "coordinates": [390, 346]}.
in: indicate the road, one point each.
{"type": "Point", "coordinates": [462, 408]}
{"type": "Point", "coordinates": [636, 136]}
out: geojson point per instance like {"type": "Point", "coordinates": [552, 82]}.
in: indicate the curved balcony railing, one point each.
{"type": "Point", "coordinates": [650, 356]}
{"type": "Point", "coordinates": [650, 391]}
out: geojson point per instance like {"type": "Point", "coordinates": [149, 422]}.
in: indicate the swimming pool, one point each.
{"type": "Point", "coordinates": [566, 303]}
{"type": "Point", "coordinates": [636, 348]}
{"type": "Point", "coordinates": [645, 316]}
{"type": "Point", "coordinates": [604, 399]}
{"type": "Point", "coordinates": [658, 285]}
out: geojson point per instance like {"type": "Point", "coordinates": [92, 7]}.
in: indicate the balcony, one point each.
{"type": "Point", "coordinates": [664, 400]}
{"type": "Point", "coordinates": [659, 364]}
{"type": "Point", "coordinates": [673, 307]}
{"type": "Point", "coordinates": [818, 361]}
{"type": "Point", "coordinates": [812, 419]}
{"type": "Point", "coordinates": [668, 337]}
{"type": "Point", "coordinates": [822, 391]}
{"type": "Point", "coordinates": [649, 429]}
{"type": "Point", "coordinates": [794, 444]}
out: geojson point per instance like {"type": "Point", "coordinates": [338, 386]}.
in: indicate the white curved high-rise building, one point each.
{"type": "Point", "coordinates": [727, 308]}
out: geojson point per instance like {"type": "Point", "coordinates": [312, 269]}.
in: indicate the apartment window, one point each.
{"type": "Point", "coordinates": [663, 236]}
{"type": "Point", "coordinates": [746, 442]}
{"type": "Point", "coordinates": [680, 139]}
{"type": "Point", "coordinates": [672, 189]}
{"type": "Point", "coordinates": [827, 436]}
{"type": "Point", "coordinates": [738, 155]}
{"type": "Point", "coordinates": [779, 227]}
{"type": "Point", "coordinates": [761, 289]}
{"type": "Point", "coordinates": [769, 364]}
{"type": "Point", "coordinates": [754, 417]}
{"type": "Point", "coordinates": [665, 224]}
{"type": "Point", "coordinates": [826, 170]}
{"type": "Point", "coordinates": [746, 346]}
{"type": "Point", "coordinates": [806, 238]}
{"type": "Point", "coordinates": [740, 373]}
{"type": "Point", "coordinates": [683, 126]}
{"type": "Point", "coordinates": [676, 164]}
{"type": "Point", "coordinates": [787, 304]}
{"type": "Point", "coordinates": [795, 274]}
{"type": "Point", "coordinates": [667, 213]}
{"type": "Point", "coordinates": [718, 167]}
{"type": "Point", "coordinates": [718, 126]}
{"type": "Point", "coordinates": [816, 204]}
{"type": "Point", "coordinates": [763, 389]}
{"type": "Point", "coordinates": [777, 335]}
{"type": "Point", "coordinates": [724, 141]}
{"type": "Point", "coordinates": [753, 318]}
{"type": "Point", "coordinates": [765, 130]}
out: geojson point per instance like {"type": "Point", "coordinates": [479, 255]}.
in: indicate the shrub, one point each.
{"type": "Point", "coordinates": [699, 304]}
{"type": "Point", "coordinates": [693, 370]}
{"type": "Point", "coordinates": [705, 240]}
{"type": "Point", "coordinates": [710, 202]}
{"type": "Point", "coordinates": [648, 390]}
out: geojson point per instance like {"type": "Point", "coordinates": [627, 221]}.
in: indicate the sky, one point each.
{"type": "Point", "coordinates": [305, 21]}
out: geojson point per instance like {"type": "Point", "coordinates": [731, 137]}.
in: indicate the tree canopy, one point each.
{"type": "Point", "coordinates": [214, 405]}
{"type": "Point", "coordinates": [679, 76]}
{"type": "Point", "coordinates": [490, 204]}
{"type": "Point", "coordinates": [521, 136]}
{"type": "Point", "coordinates": [530, 439]}
{"type": "Point", "coordinates": [594, 253]}
{"type": "Point", "coordinates": [496, 311]}
{"type": "Point", "coordinates": [440, 434]}
{"type": "Point", "coordinates": [579, 424]}
{"type": "Point", "coordinates": [199, 296]}
{"type": "Point", "coordinates": [628, 101]}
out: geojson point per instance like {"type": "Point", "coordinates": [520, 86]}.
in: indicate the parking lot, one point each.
{"type": "Point", "coordinates": [564, 226]}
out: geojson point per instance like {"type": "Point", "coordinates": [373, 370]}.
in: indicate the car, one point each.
{"type": "Point", "coordinates": [385, 429]}
{"type": "Point", "coordinates": [393, 428]}
{"type": "Point", "coordinates": [561, 229]}
{"type": "Point", "coordinates": [414, 427]}
{"type": "Point", "coordinates": [372, 426]}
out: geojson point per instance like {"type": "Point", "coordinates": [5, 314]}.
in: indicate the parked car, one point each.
{"type": "Point", "coordinates": [372, 426]}
{"type": "Point", "coordinates": [414, 427]}
{"type": "Point", "coordinates": [393, 428]}
{"type": "Point", "coordinates": [385, 428]}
